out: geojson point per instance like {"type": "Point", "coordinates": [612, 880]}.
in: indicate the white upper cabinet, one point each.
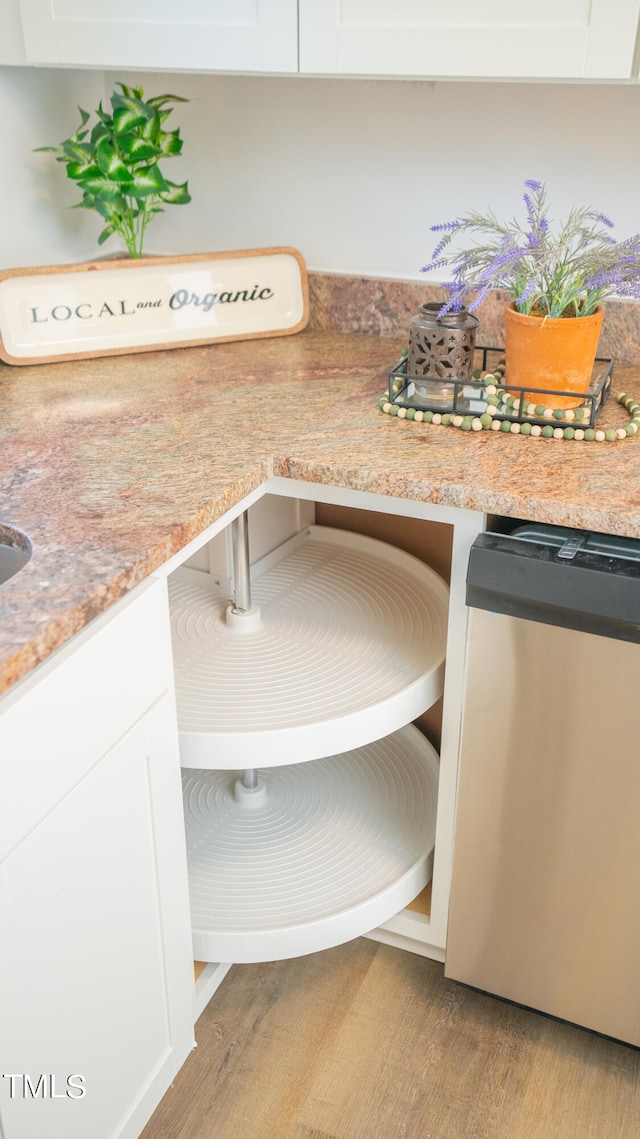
{"type": "Point", "coordinates": [574, 39]}
{"type": "Point", "coordinates": [11, 37]}
{"type": "Point", "coordinates": [468, 39]}
{"type": "Point", "coordinates": [195, 35]}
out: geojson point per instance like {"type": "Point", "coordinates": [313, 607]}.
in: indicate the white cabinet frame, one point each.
{"type": "Point", "coordinates": [417, 932]}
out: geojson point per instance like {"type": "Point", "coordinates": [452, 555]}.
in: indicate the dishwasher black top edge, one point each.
{"type": "Point", "coordinates": [568, 578]}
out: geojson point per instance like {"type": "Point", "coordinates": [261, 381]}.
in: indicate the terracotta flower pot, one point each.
{"type": "Point", "coordinates": [553, 353]}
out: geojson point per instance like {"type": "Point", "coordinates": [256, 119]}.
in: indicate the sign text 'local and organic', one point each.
{"type": "Point", "coordinates": [178, 300]}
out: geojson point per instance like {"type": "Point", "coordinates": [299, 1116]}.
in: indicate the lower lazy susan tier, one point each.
{"type": "Point", "coordinates": [346, 644]}
{"type": "Point", "coordinates": [318, 854]}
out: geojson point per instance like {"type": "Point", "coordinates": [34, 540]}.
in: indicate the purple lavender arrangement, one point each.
{"type": "Point", "coordinates": [561, 271]}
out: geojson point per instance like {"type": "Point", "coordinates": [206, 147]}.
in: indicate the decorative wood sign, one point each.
{"type": "Point", "coordinates": [104, 308]}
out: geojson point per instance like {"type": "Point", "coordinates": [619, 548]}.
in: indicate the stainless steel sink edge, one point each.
{"type": "Point", "coordinates": [16, 549]}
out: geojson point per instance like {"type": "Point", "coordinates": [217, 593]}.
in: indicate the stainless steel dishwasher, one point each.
{"type": "Point", "coordinates": [545, 903]}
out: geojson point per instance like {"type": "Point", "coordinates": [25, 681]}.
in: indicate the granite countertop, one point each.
{"type": "Point", "coordinates": [113, 465]}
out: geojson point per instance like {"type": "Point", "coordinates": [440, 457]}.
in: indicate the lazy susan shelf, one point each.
{"type": "Point", "coordinates": [348, 645]}
{"type": "Point", "coordinates": [326, 852]}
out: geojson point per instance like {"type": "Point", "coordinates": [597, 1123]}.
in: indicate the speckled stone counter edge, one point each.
{"type": "Point", "coordinates": [135, 457]}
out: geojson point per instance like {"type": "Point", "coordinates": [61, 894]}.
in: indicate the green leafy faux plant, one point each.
{"type": "Point", "coordinates": [117, 165]}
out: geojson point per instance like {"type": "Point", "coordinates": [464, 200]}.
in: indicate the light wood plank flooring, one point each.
{"type": "Point", "coordinates": [369, 1042]}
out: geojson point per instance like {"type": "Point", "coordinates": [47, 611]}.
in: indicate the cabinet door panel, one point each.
{"type": "Point", "coordinates": [576, 39]}
{"type": "Point", "coordinates": [11, 37]}
{"type": "Point", "coordinates": [203, 35]}
{"type": "Point", "coordinates": [83, 957]}
{"type": "Point", "coordinates": [66, 714]}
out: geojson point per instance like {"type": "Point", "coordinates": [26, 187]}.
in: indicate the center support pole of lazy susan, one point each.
{"type": "Point", "coordinates": [251, 790]}
{"type": "Point", "coordinates": [241, 615]}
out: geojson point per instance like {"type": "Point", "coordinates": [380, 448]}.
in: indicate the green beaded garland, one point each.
{"type": "Point", "coordinates": [547, 431]}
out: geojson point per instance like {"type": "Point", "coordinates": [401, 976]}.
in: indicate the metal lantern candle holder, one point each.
{"type": "Point", "coordinates": [441, 348]}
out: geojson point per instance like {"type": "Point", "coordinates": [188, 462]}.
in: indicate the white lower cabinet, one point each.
{"type": "Point", "coordinates": [97, 995]}
{"type": "Point", "coordinates": [96, 979]}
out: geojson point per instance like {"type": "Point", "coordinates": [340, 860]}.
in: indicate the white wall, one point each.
{"type": "Point", "coordinates": [39, 108]}
{"type": "Point", "coordinates": [351, 172]}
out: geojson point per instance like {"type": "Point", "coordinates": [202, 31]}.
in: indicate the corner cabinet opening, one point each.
{"type": "Point", "coordinates": [309, 641]}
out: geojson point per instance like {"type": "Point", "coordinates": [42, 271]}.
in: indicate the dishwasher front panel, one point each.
{"type": "Point", "coordinates": [545, 903]}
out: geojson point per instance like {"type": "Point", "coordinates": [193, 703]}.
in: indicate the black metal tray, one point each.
{"type": "Point", "coordinates": [469, 397]}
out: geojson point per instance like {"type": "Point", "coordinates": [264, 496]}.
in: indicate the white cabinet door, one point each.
{"type": "Point", "coordinates": [11, 37]}
{"type": "Point", "coordinates": [96, 976]}
{"type": "Point", "coordinates": [577, 39]}
{"type": "Point", "coordinates": [200, 35]}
